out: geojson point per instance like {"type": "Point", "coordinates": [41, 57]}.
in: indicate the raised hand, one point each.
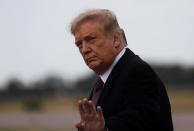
{"type": "Point", "coordinates": [92, 119]}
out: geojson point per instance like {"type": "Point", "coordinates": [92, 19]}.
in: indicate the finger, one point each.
{"type": "Point", "coordinates": [100, 113]}
{"type": "Point", "coordinates": [86, 106]}
{"type": "Point", "coordinates": [89, 107]}
{"type": "Point", "coordinates": [81, 110]}
{"type": "Point", "coordinates": [92, 107]}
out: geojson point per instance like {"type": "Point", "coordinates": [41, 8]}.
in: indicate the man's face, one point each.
{"type": "Point", "coordinates": [97, 49]}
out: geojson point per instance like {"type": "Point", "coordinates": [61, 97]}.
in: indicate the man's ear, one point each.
{"type": "Point", "coordinates": [117, 39]}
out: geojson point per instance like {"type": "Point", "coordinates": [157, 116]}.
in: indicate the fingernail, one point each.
{"type": "Point", "coordinates": [82, 124]}
{"type": "Point", "coordinates": [85, 99]}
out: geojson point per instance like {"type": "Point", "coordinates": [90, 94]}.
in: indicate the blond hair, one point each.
{"type": "Point", "coordinates": [104, 16]}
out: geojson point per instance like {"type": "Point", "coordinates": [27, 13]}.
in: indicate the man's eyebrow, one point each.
{"type": "Point", "coordinates": [91, 34]}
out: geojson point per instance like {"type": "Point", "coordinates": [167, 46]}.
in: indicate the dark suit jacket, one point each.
{"type": "Point", "coordinates": [134, 98]}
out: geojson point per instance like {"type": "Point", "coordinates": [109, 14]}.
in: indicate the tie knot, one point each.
{"type": "Point", "coordinates": [99, 84]}
{"type": "Point", "coordinates": [97, 90]}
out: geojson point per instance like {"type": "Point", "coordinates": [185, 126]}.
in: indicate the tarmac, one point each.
{"type": "Point", "coordinates": [63, 120]}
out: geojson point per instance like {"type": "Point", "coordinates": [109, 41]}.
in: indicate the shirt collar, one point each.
{"type": "Point", "coordinates": [105, 75]}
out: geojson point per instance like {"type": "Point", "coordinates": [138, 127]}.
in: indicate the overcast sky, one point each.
{"type": "Point", "coordinates": [35, 39]}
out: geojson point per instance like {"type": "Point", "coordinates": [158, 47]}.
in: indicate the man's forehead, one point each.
{"type": "Point", "coordinates": [89, 33]}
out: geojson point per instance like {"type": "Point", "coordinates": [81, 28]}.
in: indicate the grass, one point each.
{"type": "Point", "coordinates": [181, 100]}
{"type": "Point", "coordinates": [47, 105]}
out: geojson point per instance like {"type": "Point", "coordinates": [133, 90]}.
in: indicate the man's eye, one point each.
{"type": "Point", "coordinates": [78, 43]}
{"type": "Point", "coordinates": [91, 39]}
{"type": "Point", "coordinates": [79, 46]}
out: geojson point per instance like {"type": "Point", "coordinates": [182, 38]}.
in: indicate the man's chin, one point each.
{"type": "Point", "coordinates": [93, 66]}
{"type": "Point", "coordinates": [96, 68]}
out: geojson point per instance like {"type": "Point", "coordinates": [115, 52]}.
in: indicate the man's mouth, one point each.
{"type": "Point", "coordinates": [90, 59]}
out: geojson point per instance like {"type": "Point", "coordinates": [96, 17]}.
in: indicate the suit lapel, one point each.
{"type": "Point", "coordinates": [113, 76]}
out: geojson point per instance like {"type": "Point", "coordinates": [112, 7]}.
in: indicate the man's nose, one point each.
{"type": "Point", "coordinates": [85, 48]}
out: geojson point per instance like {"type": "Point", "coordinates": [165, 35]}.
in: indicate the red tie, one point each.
{"type": "Point", "coordinates": [97, 90]}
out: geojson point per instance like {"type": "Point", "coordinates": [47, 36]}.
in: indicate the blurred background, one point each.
{"type": "Point", "coordinates": [42, 74]}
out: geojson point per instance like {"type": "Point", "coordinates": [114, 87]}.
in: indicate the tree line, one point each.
{"type": "Point", "coordinates": [173, 76]}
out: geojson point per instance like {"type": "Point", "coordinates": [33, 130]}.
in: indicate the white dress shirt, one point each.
{"type": "Point", "coordinates": [106, 74]}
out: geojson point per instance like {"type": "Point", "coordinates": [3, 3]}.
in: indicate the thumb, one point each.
{"type": "Point", "coordinates": [80, 125]}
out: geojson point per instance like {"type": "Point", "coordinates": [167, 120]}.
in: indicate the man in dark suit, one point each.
{"type": "Point", "coordinates": [128, 95]}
